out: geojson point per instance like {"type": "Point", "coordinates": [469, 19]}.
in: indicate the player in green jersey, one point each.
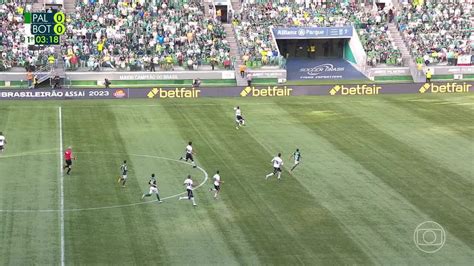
{"type": "Point", "coordinates": [124, 171]}
{"type": "Point", "coordinates": [297, 157]}
{"type": "Point", "coordinates": [153, 189]}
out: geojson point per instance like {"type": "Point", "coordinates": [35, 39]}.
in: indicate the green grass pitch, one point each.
{"type": "Point", "coordinates": [373, 169]}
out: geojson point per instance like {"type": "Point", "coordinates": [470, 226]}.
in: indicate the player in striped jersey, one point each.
{"type": "Point", "coordinates": [189, 184]}
{"type": "Point", "coordinates": [124, 171]}
{"type": "Point", "coordinates": [239, 119]}
{"type": "Point", "coordinates": [189, 154]}
{"type": "Point", "coordinates": [3, 141]}
{"type": "Point", "coordinates": [153, 189]}
{"type": "Point", "coordinates": [217, 184]}
{"type": "Point", "coordinates": [277, 163]}
{"type": "Point", "coordinates": [297, 158]}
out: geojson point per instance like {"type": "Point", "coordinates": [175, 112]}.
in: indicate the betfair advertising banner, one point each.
{"type": "Point", "coordinates": [251, 91]}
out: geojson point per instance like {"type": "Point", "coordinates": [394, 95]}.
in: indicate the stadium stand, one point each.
{"type": "Point", "coordinates": [377, 41]}
{"type": "Point", "coordinates": [118, 35]}
{"type": "Point", "coordinates": [165, 35]}
{"type": "Point", "coordinates": [15, 53]}
{"type": "Point", "coordinates": [143, 35]}
{"type": "Point", "coordinates": [438, 32]}
{"type": "Point", "coordinates": [253, 23]}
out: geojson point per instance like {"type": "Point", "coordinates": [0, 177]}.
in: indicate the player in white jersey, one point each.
{"type": "Point", "coordinates": [277, 164]}
{"type": "Point", "coordinates": [189, 154]}
{"type": "Point", "coordinates": [153, 188]}
{"type": "Point", "coordinates": [3, 142]}
{"type": "Point", "coordinates": [239, 119]}
{"type": "Point", "coordinates": [189, 184]}
{"type": "Point", "coordinates": [217, 184]}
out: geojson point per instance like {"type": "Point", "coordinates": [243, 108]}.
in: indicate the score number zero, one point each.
{"type": "Point", "coordinates": [59, 19]}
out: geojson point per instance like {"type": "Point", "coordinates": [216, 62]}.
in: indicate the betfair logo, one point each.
{"type": "Point", "coordinates": [357, 90]}
{"type": "Point", "coordinates": [174, 93]}
{"type": "Point", "coordinates": [424, 88]}
{"type": "Point", "coordinates": [245, 91]}
{"type": "Point", "coordinates": [266, 92]}
{"type": "Point", "coordinates": [450, 87]}
{"type": "Point", "coordinates": [334, 90]}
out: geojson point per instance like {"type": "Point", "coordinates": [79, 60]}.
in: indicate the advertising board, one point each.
{"type": "Point", "coordinates": [248, 91]}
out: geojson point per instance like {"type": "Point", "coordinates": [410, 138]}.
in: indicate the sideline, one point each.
{"type": "Point", "coordinates": [61, 184]}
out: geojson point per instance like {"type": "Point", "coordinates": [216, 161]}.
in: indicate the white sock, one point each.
{"type": "Point", "coordinates": [180, 198]}
{"type": "Point", "coordinates": [194, 202]}
{"type": "Point", "coordinates": [279, 175]}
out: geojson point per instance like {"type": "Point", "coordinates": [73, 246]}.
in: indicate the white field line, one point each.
{"type": "Point", "coordinates": [61, 185]}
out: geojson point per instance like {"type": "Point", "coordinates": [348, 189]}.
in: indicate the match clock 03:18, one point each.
{"type": "Point", "coordinates": [47, 39]}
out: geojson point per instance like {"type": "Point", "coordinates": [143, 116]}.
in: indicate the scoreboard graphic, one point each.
{"type": "Point", "coordinates": [44, 28]}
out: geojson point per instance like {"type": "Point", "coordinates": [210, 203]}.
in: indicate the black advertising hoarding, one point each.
{"type": "Point", "coordinates": [253, 91]}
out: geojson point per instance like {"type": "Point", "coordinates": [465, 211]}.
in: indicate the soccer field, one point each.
{"type": "Point", "coordinates": [372, 170]}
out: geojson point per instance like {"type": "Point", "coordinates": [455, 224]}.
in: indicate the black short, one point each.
{"type": "Point", "coordinates": [189, 156]}
{"type": "Point", "coordinates": [190, 194]}
{"type": "Point", "coordinates": [276, 169]}
{"type": "Point", "coordinates": [217, 187]}
{"type": "Point", "coordinates": [1, 148]}
{"type": "Point", "coordinates": [68, 163]}
{"type": "Point", "coordinates": [239, 117]}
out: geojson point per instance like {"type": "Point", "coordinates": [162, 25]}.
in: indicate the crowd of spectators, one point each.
{"type": "Point", "coordinates": [379, 47]}
{"type": "Point", "coordinates": [253, 23]}
{"type": "Point", "coordinates": [124, 35]}
{"type": "Point", "coordinates": [256, 45]}
{"type": "Point", "coordinates": [438, 32]}
{"type": "Point", "coordinates": [162, 34]}
{"type": "Point", "coordinates": [14, 50]}
{"type": "Point", "coordinates": [372, 27]}
{"type": "Point", "coordinates": [143, 35]}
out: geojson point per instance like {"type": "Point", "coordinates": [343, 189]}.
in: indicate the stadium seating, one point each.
{"type": "Point", "coordinates": [253, 27]}
{"type": "Point", "coordinates": [136, 36]}
{"type": "Point", "coordinates": [378, 46]}
{"type": "Point", "coordinates": [163, 35]}
{"type": "Point", "coordinates": [437, 33]}
{"type": "Point", "coordinates": [118, 35]}
{"type": "Point", "coordinates": [13, 48]}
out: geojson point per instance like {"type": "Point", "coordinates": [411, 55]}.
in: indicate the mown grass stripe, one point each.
{"type": "Point", "coordinates": [300, 242]}
{"type": "Point", "coordinates": [190, 131]}
{"type": "Point", "coordinates": [370, 151]}
{"type": "Point", "coordinates": [411, 173]}
{"type": "Point", "coordinates": [162, 137]}
{"type": "Point", "coordinates": [431, 138]}
{"type": "Point", "coordinates": [116, 233]}
{"type": "Point", "coordinates": [25, 183]}
{"type": "Point", "coordinates": [443, 113]}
